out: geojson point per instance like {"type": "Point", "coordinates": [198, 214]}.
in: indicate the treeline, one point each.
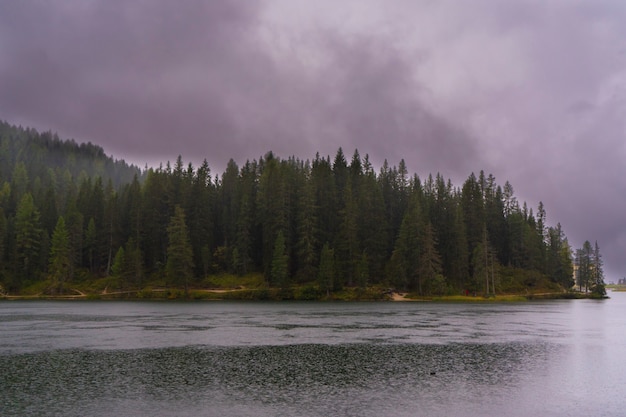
{"type": "Point", "coordinates": [329, 223]}
{"type": "Point", "coordinates": [46, 157]}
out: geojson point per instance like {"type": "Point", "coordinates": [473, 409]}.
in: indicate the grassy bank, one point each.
{"type": "Point", "coordinates": [305, 293]}
{"type": "Point", "coordinates": [254, 287]}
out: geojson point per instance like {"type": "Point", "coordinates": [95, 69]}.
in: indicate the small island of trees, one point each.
{"type": "Point", "coordinates": [74, 221]}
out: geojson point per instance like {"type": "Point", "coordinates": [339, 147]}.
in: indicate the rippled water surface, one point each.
{"type": "Point", "coordinates": [557, 358]}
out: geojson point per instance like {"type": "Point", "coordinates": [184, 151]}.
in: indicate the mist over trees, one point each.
{"type": "Point", "coordinates": [69, 213]}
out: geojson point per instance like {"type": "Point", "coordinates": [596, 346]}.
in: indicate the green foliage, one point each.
{"type": "Point", "coordinates": [589, 270]}
{"type": "Point", "coordinates": [230, 281]}
{"type": "Point", "coordinates": [179, 267]}
{"type": "Point", "coordinates": [308, 293]}
{"type": "Point", "coordinates": [327, 224]}
{"type": "Point", "coordinates": [117, 269]}
{"type": "Point", "coordinates": [362, 272]}
{"type": "Point", "coordinates": [279, 273]}
{"type": "Point", "coordinates": [27, 238]}
{"type": "Point", "coordinates": [60, 260]}
{"type": "Point", "coordinates": [326, 270]}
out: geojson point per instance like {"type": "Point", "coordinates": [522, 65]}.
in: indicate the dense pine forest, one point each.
{"type": "Point", "coordinates": [70, 215]}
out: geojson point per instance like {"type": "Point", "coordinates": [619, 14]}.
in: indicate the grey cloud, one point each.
{"type": "Point", "coordinates": [143, 79]}
{"type": "Point", "coordinates": [138, 80]}
{"type": "Point", "coordinates": [527, 90]}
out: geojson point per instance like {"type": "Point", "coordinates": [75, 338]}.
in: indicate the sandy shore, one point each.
{"type": "Point", "coordinates": [399, 296]}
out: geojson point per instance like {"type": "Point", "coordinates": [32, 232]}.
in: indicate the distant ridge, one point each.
{"type": "Point", "coordinates": [45, 151]}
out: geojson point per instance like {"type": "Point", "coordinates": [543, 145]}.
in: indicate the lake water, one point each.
{"type": "Point", "coordinates": [552, 358]}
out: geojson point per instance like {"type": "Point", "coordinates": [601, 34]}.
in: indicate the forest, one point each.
{"type": "Point", "coordinates": [71, 216]}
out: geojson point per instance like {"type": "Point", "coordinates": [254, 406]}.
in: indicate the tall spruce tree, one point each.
{"type": "Point", "coordinates": [27, 239]}
{"type": "Point", "coordinates": [429, 274]}
{"type": "Point", "coordinates": [60, 262]}
{"type": "Point", "coordinates": [306, 233]}
{"type": "Point", "coordinates": [179, 266]}
{"type": "Point", "coordinates": [406, 255]}
{"type": "Point", "coordinates": [280, 263]}
{"type": "Point", "coordinates": [326, 270]}
{"type": "Point", "coordinates": [347, 242]}
{"type": "Point", "coordinates": [597, 282]}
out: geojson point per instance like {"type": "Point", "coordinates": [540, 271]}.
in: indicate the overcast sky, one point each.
{"type": "Point", "coordinates": [533, 91]}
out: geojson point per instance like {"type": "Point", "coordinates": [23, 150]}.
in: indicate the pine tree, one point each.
{"type": "Point", "coordinates": [119, 261]}
{"type": "Point", "coordinates": [406, 254]}
{"type": "Point", "coordinates": [597, 282]}
{"type": "Point", "coordinates": [325, 202]}
{"type": "Point", "coordinates": [458, 273]}
{"type": "Point", "coordinates": [347, 243]}
{"type": "Point", "coordinates": [179, 266]}
{"type": "Point", "coordinates": [326, 270]}
{"type": "Point", "coordinates": [201, 218]}
{"type": "Point", "coordinates": [27, 239]}
{"type": "Point", "coordinates": [244, 236]}
{"type": "Point", "coordinates": [272, 205]}
{"type": "Point", "coordinates": [584, 267]}
{"type": "Point", "coordinates": [280, 269]}
{"type": "Point", "coordinates": [362, 272]}
{"type": "Point", "coordinates": [306, 232]}
{"type": "Point", "coordinates": [429, 270]}
{"type": "Point", "coordinates": [59, 268]}
{"type": "Point", "coordinates": [567, 272]}
{"type": "Point", "coordinates": [372, 224]}
{"type": "Point", "coordinates": [473, 212]}
{"type": "Point", "coordinates": [133, 263]}
{"type": "Point", "coordinates": [91, 241]}
{"type": "Point", "coordinates": [558, 257]}
{"type": "Point", "coordinates": [3, 239]}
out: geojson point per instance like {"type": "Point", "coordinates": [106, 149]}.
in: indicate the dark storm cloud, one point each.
{"type": "Point", "coordinates": [153, 79]}
{"type": "Point", "coordinates": [534, 92]}
{"type": "Point", "coordinates": [141, 77]}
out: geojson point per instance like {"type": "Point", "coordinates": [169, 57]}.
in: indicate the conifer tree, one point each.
{"type": "Point", "coordinates": [362, 272]}
{"type": "Point", "coordinates": [59, 268]}
{"type": "Point", "coordinates": [91, 242]}
{"type": "Point", "coordinates": [244, 236]}
{"type": "Point", "coordinates": [372, 223]}
{"type": "Point", "coordinates": [133, 269]}
{"type": "Point", "coordinates": [347, 243]}
{"type": "Point", "coordinates": [306, 233]}
{"type": "Point", "coordinates": [324, 190]}
{"type": "Point", "coordinates": [179, 266]}
{"type": "Point", "coordinates": [406, 254]}
{"type": "Point", "coordinates": [429, 269]}
{"type": "Point", "coordinates": [272, 206]}
{"type": "Point", "coordinates": [279, 274]}
{"type": "Point", "coordinates": [326, 270]}
{"type": "Point", "coordinates": [584, 267]}
{"type": "Point", "coordinates": [3, 239]}
{"type": "Point", "coordinates": [597, 284]}
{"type": "Point", "coordinates": [201, 218]}
{"type": "Point", "coordinates": [458, 271]}
{"type": "Point", "coordinates": [28, 238]}
{"type": "Point", "coordinates": [119, 261]}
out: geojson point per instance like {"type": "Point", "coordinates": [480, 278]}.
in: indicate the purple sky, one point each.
{"type": "Point", "coordinates": [532, 91]}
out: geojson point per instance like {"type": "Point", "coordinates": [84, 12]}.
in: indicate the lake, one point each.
{"type": "Point", "coordinates": [109, 358]}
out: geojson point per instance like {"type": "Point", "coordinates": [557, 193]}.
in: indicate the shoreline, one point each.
{"type": "Point", "coordinates": [243, 294]}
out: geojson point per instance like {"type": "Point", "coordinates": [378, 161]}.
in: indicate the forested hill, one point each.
{"type": "Point", "coordinates": [49, 159]}
{"type": "Point", "coordinates": [324, 224]}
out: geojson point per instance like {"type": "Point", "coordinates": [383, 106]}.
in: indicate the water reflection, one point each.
{"type": "Point", "coordinates": [113, 325]}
